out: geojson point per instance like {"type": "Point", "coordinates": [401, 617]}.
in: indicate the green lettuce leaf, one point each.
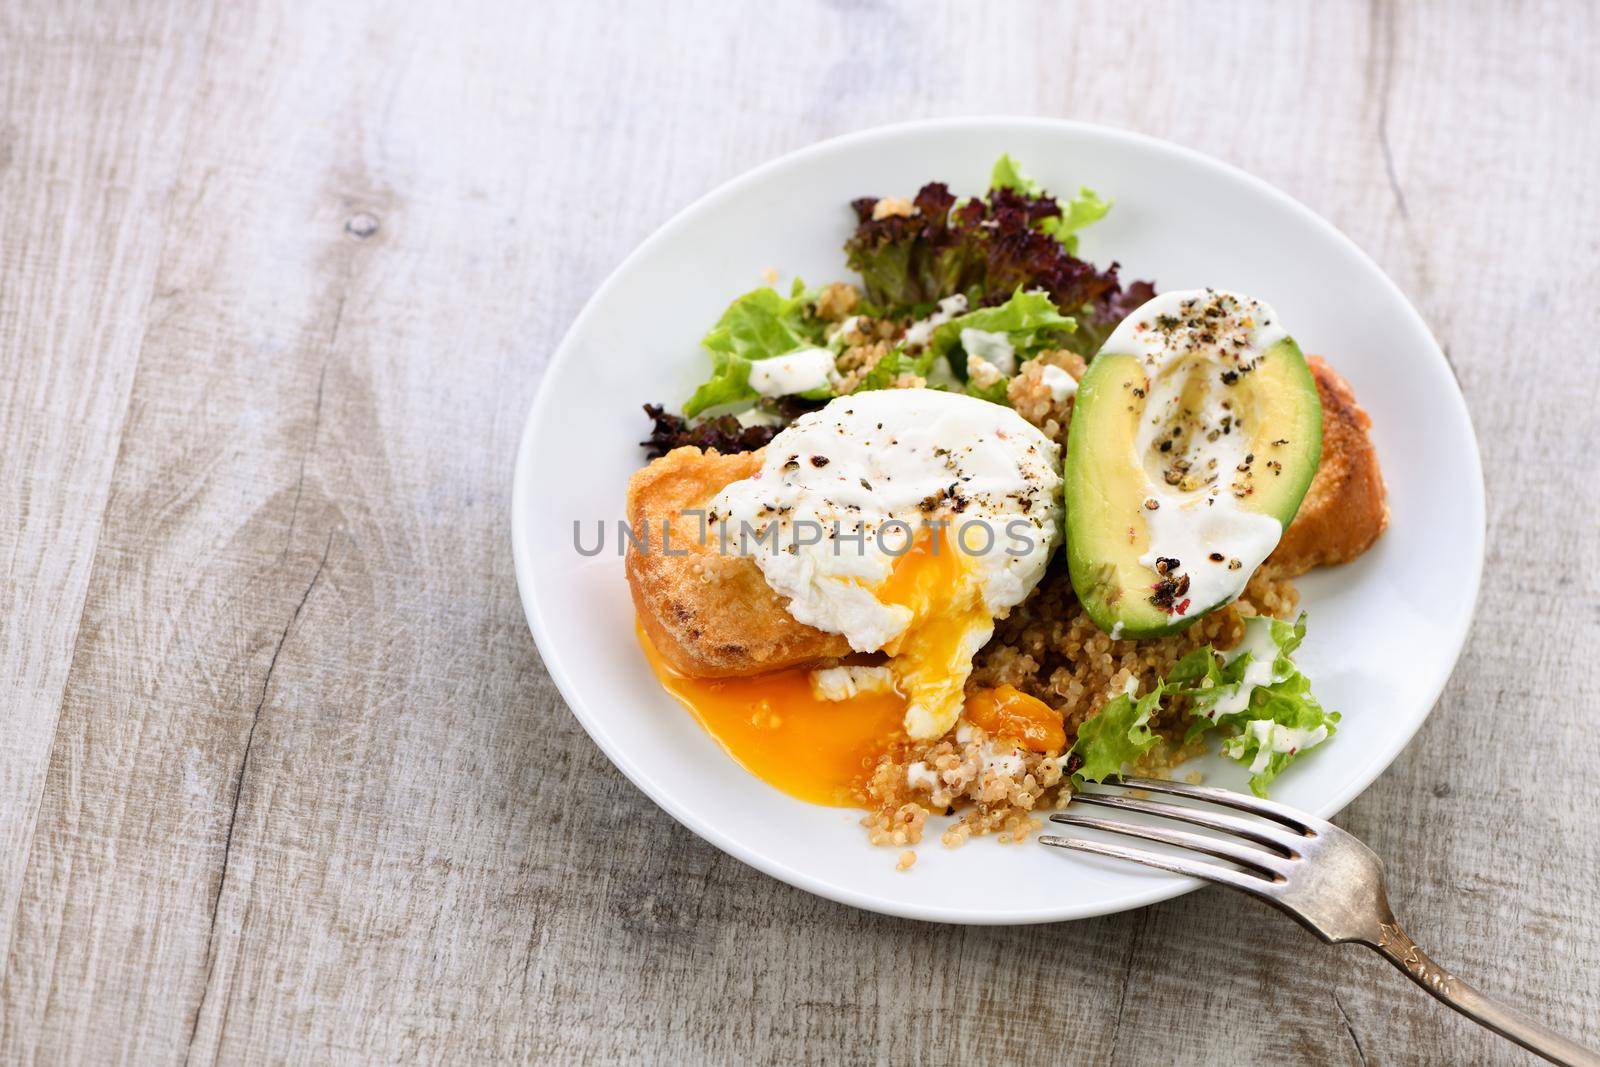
{"type": "Point", "coordinates": [885, 371]}
{"type": "Point", "coordinates": [1226, 672]}
{"type": "Point", "coordinates": [1076, 213]}
{"type": "Point", "coordinates": [1117, 736]}
{"type": "Point", "coordinates": [994, 393]}
{"type": "Point", "coordinates": [758, 325]}
{"type": "Point", "coordinates": [1203, 678]}
{"type": "Point", "coordinates": [762, 323]}
{"type": "Point", "coordinates": [895, 362]}
{"type": "Point", "coordinates": [1280, 718]}
{"type": "Point", "coordinates": [1029, 319]}
{"type": "Point", "coordinates": [729, 383]}
{"type": "Point", "coordinates": [1008, 175]}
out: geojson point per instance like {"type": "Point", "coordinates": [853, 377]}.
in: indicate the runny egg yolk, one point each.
{"type": "Point", "coordinates": [1008, 713]}
{"type": "Point", "coordinates": [818, 750]}
{"type": "Point", "coordinates": [822, 751]}
{"type": "Point", "coordinates": [932, 659]}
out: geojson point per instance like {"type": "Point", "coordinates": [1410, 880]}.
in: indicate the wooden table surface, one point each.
{"type": "Point", "coordinates": [281, 775]}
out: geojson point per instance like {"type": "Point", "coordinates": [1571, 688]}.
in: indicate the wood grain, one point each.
{"type": "Point", "coordinates": [281, 776]}
{"type": "Point", "coordinates": [91, 131]}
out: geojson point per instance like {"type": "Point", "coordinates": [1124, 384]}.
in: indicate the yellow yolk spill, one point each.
{"type": "Point", "coordinates": [932, 659]}
{"type": "Point", "coordinates": [817, 750]}
{"type": "Point", "coordinates": [822, 751]}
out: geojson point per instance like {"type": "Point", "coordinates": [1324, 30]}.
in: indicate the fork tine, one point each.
{"type": "Point", "coordinates": [1270, 866]}
{"type": "Point", "coordinates": [1259, 887]}
{"type": "Point", "coordinates": [1266, 834]}
{"type": "Point", "coordinates": [1267, 809]}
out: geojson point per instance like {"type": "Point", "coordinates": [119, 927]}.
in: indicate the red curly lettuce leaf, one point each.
{"type": "Point", "coordinates": [723, 433]}
{"type": "Point", "coordinates": [1103, 316]}
{"type": "Point", "coordinates": [986, 250]}
{"type": "Point", "coordinates": [910, 262]}
{"type": "Point", "coordinates": [1085, 208]}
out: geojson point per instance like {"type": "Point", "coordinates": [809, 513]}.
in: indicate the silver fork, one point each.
{"type": "Point", "coordinates": [1308, 867]}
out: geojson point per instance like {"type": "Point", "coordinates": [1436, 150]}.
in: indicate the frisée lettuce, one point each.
{"type": "Point", "coordinates": [1117, 736]}
{"type": "Point", "coordinates": [1253, 693]}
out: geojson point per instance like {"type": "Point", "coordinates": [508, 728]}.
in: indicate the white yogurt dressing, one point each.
{"type": "Point", "coordinates": [1059, 382]}
{"type": "Point", "coordinates": [838, 336]}
{"type": "Point", "coordinates": [1195, 522]}
{"type": "Point", "coordinates": [920, 332]}
{"type": "Point", "coordinates": [1274, 737]}
{"type": "Point", "coordinates": [994, 347]}
{"type": "Point", "coordinates": [1001, 759]}
{"type": "Point", "coordinates": [921, 776]}
{"type": "Point", "coordinates": [799, 371]}
{"type": "Point", "coordinates": [1006, 762]}
{"type": "Point", "coordinates": [1260, 671]}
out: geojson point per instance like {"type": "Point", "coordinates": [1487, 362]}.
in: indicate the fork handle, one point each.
{"type": "Point", "coordinates": [1398, 948]}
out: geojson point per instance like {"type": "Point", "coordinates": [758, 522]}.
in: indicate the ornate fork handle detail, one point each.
{"type": "Point", "coordinates": [1396, 946]}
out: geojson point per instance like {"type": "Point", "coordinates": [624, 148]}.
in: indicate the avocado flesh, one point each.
{"type": "Point", "coordinates": [1107, 481]}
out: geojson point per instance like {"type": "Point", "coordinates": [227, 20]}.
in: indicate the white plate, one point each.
{"type": "Point", "coordinates": [1384, 632]}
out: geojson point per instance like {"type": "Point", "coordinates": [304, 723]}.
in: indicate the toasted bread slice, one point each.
{"type": "Point", "coordinates": [710, 614]}
{"type": "Point", "coordinates": [1345, 509]}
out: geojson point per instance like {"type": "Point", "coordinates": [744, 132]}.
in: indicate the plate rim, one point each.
{"type": "Point", "coordinates": [521, 515]}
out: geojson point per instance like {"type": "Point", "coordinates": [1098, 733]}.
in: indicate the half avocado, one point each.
{"type": "Point", "coordinates": [1195, 434]}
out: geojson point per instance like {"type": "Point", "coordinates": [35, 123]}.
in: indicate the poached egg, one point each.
{"type": "Point", "coordinates": [907, 520]}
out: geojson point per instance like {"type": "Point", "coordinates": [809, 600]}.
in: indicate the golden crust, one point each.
{"type": "Point", "coordinates": [710, 614]}
{"type": "Point", "coordinates": [1345, 508]}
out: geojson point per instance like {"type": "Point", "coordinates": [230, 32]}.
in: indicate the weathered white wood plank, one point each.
{"type": "Point", "coordinates": [285, 541]}
{"type": "Point", "coordinates": [92, 122]}
{"type": "Point", "coordinates": [311, 796]}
